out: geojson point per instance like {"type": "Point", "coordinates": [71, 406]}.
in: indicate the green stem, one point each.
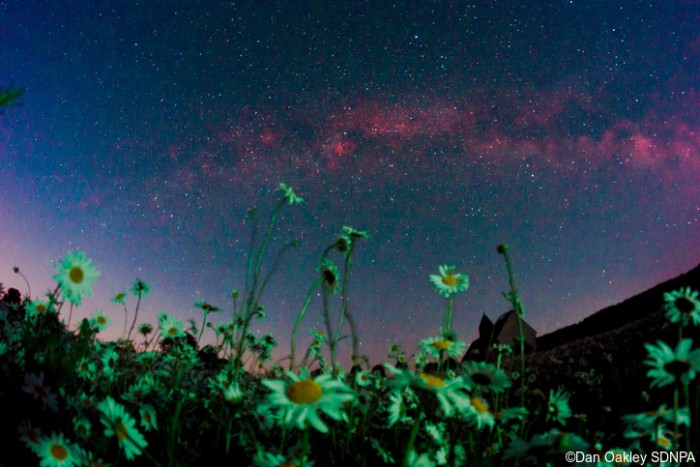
{"type": "Point", "coordinates": [345, 312]}
{"type": "Point", "coordinates": [126, 320]}
{"type": "Point", "coordinates": [136, 314]}
{"type": "Point", "coordinates": [253, 301]}
{"type": "Point", "coordinates": [305, 446]}
{"type": "Point", "coordinates": [332, 341]}
{"type": "Point", "coordinates": [70, 315]}
{"type": "Point", "coordinates": [297, 323]}
{"type": "Point", "coordinates": [172, 435]}
{"type": "Point", "coordinates": [204, 322]}
{"type": "Point", "coordinates": [447, 323]}
{"type": "Point", "coordinates": [519, 311]}
{"type": "Point", "coordinates": [412, 440]}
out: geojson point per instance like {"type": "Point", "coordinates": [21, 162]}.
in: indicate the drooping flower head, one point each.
{"type": "Point", "coordinates": [478, 413]}
{"type": "Point", "coordinates": [347, 238]}
{"type": "Point", "coordinates": [75, 276]}
{"type": "Point", "coordinates": [207, 307]}
{"type": "Point", "coordinates": [140, 288]}
{"type": "Point", "coordinates": [119, 423]}
{"type": "Point", "coordinates": [289, 194]}
{"type": "Point", "coordinates": [449, 282]}
{"type": "Point", "coordinates": [329, 276]}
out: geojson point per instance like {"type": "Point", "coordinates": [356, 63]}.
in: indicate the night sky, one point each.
{"type": "Point", "coordinates": [569, 130]}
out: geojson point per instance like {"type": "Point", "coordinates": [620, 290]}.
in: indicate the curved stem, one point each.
{"type": "Point", "coordinates": [297, 323]}
{"type": "Point", "coordinates": [136, 314]}
{"type": "Point", "coordinates": [204, 322]}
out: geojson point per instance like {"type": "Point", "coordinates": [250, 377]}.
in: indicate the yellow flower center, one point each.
{"type": "Point", "coordinates": [119, 296]}
{"type": "Point", "coordinates": [172, 331]}
{"type": "Point", "coordinates": [480, 405]}
{"type": "Point", "coordinates": [76, 274]}
{"type": "Point", "coordinates": [40, 308]}
{"type": "Point", "coordinates": [101, 320]}
{"type": "Point", "coordinates": [304, 392]}
{"type": "Point", "coordinates": [663, 442]}
{"type": "Point", "coordinates": [450, 280]}
{"type": "Point", "coordinates": [120, 430]}
{"type": "Point", "coordinates": [442, 345]}
{"type": "Point", "coordinates": [59, 452]}
{"type": "Point", "coordinates": [287, 464]}
{"type": "Point", "coordinates": [432, 381]}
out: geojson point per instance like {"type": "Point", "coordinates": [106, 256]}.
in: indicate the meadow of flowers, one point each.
{"type": "Point", "coordinates": [158, 397]}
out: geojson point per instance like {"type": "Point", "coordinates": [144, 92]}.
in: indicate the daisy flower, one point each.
{"type": "Point", "coordinates": [421, 360]}
{"type": "Point", "coordinates": [363, 378]}
{"type": "Point", "coordinates": [448, 391]}
{"type": "Point", "coordinates": [266, 416]}
{"type": "Point", "coordinates": [645, 423]}
{"type": "Point", "coordinates": [55, 451]}
{"type": "Point", "coordinates": [398, 406]}
{"type": "Point", "coordinates": [683, 306]}
{"type": "Point", "coordinates": [233, 393]}
{"type": "Point", "coordinates": [145, 329]}
{"type": "Point", "coordinates": [82, 427]}
{"type": "Point", "coordinates": [486, 376]}
{"type": "Point", "coordinates": [558, 409]}
{"type": "Point", "coordinates": [477, 413]}
{"type": "Point", "coordinates": [170, 327]}
{"type": "Point", "coordinates": [109, 358]}
{"type": "Point", "coordinates": [449, 282]}
{"type": "Point", "coordinates": [347, 238]}
{"type": "Point", "coordinates": [289, 194]}
{"type": "Point", "coordinates": [668, 365]}
{"type": "Point", "coordinates": [207, 307]}
{"type": "Point", "coordinates": [28, 434]}
{"type": "Point", "coordinates": [75, 276]}
{"type": "Point", "coordinates": [119, 423]}
{"type": "Point", "coordinates": [148, 418]}
{"type": "Point", "coordinates": [100, 320]}
{"type": "Point", "coordinates": [140, 288]}
{"type": "Point", "coordinates": [36, 308]}
{"type": "Point", "coordinates": [34, 385]}
{"type": "Point", "coordinates": [119, 298]}
{"type": "Point", "coordinates": [435, 345]}
{"type": "Point", "coordinates": [86, 368]}
{"type": "Point", "coordinates": [302, 398]}
{"type": "Point", "coordinates": [329, 276]}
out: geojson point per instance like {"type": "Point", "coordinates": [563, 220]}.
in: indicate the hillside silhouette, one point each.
{"type": "Point", "coordinates": [636, 308]}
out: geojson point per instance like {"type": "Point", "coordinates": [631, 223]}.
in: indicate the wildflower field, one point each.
{"type": "Point", "coordinates": [157, 396]}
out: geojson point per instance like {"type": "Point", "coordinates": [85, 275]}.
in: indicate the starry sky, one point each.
{"type": "Point", "coordinates": [569, 130]}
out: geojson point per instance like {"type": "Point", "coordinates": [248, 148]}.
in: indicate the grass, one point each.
{"type": "Point", "coordinates": [155, 397]}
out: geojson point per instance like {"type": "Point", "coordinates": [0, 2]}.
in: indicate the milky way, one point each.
{"type": "Point", "coordinates": [570, 131]}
